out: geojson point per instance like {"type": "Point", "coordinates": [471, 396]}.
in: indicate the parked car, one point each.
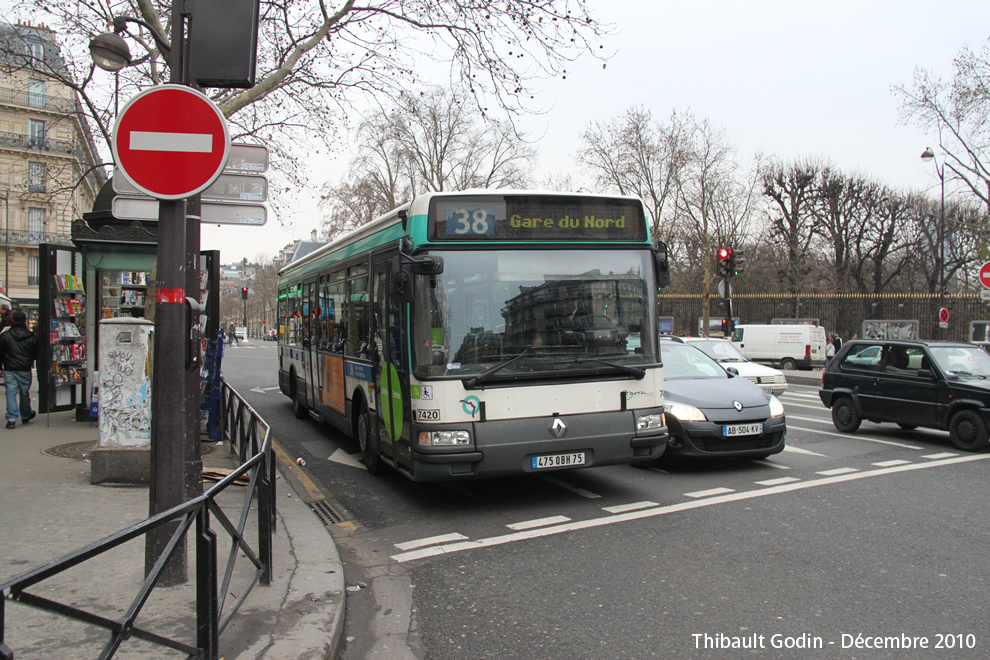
{"type": "Point", "coordinates": [714, 413]}
{"type": "Point", "coordinates": [939, 385]}
{"type": "Point", "coordinates": [727, 355]}
{"type": "Point", "coordinates": [788, 347]}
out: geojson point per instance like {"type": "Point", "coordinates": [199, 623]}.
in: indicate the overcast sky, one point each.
{"type": "Point", "coordinates": [784, 78]}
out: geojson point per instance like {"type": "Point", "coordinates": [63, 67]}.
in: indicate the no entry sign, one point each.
{"type": "Point", "coordinates": [171, 142]}
{"type": "Point", "coordinates": [985, 275]}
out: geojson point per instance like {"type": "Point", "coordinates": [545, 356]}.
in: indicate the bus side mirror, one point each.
{"type": "Point", "coordinates": [403, 269]}
{"type": "Point", "coordinates": [662, 264]}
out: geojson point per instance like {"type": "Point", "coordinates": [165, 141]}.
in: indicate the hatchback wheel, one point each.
{"type": "Point", "coordinates": [844, 415]}
{"type": "Point", "coordinates": [968, 431]}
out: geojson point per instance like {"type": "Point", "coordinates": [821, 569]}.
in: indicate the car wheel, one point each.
{"type": "Point", "coordinates": [844, 415]}
{"type": "Point", "coordinates": [370, 454]}
{"type": "Point", "coordinates": [788, 364]}
{"type": "Point", "coordinates": [907, 427]}
{"type": "Point", "coordinates": [968, 431]}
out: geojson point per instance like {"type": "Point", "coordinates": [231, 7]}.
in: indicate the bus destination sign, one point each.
{"type": "Point", "coordinates": [536, 218]}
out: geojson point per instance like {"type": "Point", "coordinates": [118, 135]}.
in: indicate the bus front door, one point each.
{"type": "Point", "coordinates": [390, 373]}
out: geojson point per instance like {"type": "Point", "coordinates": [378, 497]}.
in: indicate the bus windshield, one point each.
{"type": "Point", "coordinates": [534, 314]}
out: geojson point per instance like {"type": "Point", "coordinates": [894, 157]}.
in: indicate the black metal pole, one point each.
{"type": "Point", "coordinates": [168, 394]}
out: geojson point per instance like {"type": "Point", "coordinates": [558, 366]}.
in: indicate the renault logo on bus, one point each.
{"type": "Point", "coordinates": [558, 428]}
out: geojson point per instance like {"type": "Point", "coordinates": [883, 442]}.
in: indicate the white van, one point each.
{"type": "Point", "coordinates": [783, 346]}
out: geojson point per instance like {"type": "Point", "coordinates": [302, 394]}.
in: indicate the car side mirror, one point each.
{"type": "Point", "coordinates": [732, 370]}
{"type": "Point", "coordinates": [926, 373]}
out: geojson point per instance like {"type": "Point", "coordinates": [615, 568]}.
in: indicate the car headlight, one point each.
{"type": "Point", "coordinates": [776, 407]}
{"type": "Point", "coordinates": [685, 413]}
{"type": "Point", "coordinates": [444, 438]}
{"type": "Point", "coordinates": [650, 422]}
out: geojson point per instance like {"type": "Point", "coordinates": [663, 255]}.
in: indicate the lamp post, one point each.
{"type": "Point", "coordinates": [6, 244]}
{"type": "Point", "coordinates": [929, 156]}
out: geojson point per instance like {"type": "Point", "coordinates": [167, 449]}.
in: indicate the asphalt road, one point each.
{"type": "Point", "coordinates": [870, 545]}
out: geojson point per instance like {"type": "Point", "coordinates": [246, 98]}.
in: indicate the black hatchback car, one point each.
{"type": "Point", "coordinates": [934, 384]}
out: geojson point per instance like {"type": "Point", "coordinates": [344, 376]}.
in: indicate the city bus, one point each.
{"type": "Point", "coordinates": [482, 334]}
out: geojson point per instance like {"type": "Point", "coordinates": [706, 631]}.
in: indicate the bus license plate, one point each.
{"type": "Point", "coordinates": [558, 460]}
{"type": "Point", "coordinates": [742, 429]}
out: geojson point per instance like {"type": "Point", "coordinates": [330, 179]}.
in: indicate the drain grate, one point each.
{"type": "Point", "coordinates": [326, 513]}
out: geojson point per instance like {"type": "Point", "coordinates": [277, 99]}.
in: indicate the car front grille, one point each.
{"type": "Point", "coordinates": [743, 443]}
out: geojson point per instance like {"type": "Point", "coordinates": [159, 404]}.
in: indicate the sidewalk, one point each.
{"type": "Point", "coordinates": [48, 508]}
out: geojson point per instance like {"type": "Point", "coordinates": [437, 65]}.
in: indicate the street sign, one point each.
{"type": "Point", "coordinates": [171, 142]}
{"type": "Point", "coordinates": [985, 275]}
{"type": "Point", "coordinates": [985, 295]}
{"type": "Point", "coordinates": [229, 187]}
{"type": "Point", "coordinates": [725, 288]}
{"type": "Point", "coordinates": [217, 213]}
{"type": "Point", "coordinates": [247, 158]}
{"type": "Point", "coordinates": [943, 318]}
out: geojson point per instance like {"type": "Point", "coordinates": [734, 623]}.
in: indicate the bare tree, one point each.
{"type": "Point", "coordinates": [791, 190]}
{"type": "Point", "coordinates": [316, 61]}
{"type": "Point", "coordinates": [958, 111]}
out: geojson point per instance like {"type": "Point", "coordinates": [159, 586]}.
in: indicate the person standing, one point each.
{"type": "Point", "coordinates": [18, 354]}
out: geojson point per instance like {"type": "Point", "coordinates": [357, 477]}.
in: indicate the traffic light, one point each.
{"type": "Point", "coordinates": [727, 327]}
{"type": "Point", "coordinates": [738, 262]}
{"type": "Point", "coordinates": [244, 293]}
{"type": "Point", "coordinates": [724, 262]}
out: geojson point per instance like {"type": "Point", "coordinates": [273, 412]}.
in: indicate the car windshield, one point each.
{"type": "Point", "coordinates": [962, 360]}
{"type": "Point", "coordinates": [686, 361]}
{"type": "Point", "coordinates": [719, 350]}
{"type": "Point", "coordinates": [535, 313]}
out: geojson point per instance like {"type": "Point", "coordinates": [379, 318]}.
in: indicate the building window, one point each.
{"type": "Point", "coordinates": [37, 177]}
{"type": "Point", "coordinates": [36, 93]}
{"type": "Point", "coordinates": [37, 133]}
{"type": "Point", "coordinates": [36, 225]}
{"type": "Point", "coordinates": [33, 270]}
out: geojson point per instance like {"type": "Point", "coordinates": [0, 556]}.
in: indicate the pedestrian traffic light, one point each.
{"type": "Point", "coordinates": [738, 262]}
{"type": "Point", "coordinates": [244, 293]}
{"type": "Point", "coordinates": [724, 262]}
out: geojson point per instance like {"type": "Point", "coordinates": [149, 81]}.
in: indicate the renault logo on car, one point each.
{"type": "Point", "coordinates": [558, 428]}
{"type": "Point", "coordinates": [738, 406]}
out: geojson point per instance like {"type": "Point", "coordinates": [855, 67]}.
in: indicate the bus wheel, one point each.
{"type": "Point", "coordinates": [370, 453]}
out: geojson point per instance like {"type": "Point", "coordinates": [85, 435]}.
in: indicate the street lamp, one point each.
{"type": "Point", "coordinates": [6, 245]}
{"type": "Point", "coordinates": [111, 53]}
{"type": "Point", "coordinates": [929, 156]}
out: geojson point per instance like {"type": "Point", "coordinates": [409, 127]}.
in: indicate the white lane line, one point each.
{"type": "Point", "coordinates": [773, 465]}
{"type": "Point", "coordinates": [820, 420]}
{"type": "Point", "coordinates": [891, 463]}
{"type": "Point", "coordinates": [935, 457]}
{"type": "Point", "coordinates": [801, 395]}
{"type": "Point", "coordinates": [709, 493]}
{"type": "Point", "coordinates": [673, 508]}
{"type": "Point", "coordinates": [854, 436]}
{"type": "Point", "coordinates": [574, 489]}
{"type": "Point", "coordinates": [538, 522]}
{"type": "Point", "coordinates": [832, 473]}
{"type": "Point", "coordinates": [635, 506]}
{"type": "Point", "coordinates": [777, 482]}
{"type": "Point", "coordinates": [433, 540]}
{"type": "Point", "coordinates": [788, 404]}
{"type": "Point", "coordinates": [799, 450]}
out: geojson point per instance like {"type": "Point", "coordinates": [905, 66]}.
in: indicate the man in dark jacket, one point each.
{"type": "Point", "coordinates": [18, 354]}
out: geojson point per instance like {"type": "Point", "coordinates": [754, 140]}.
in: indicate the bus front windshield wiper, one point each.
{"type": "Point", "coordinates": [480, 378]}
{"type": "Point", "coordinates": [636, 372]}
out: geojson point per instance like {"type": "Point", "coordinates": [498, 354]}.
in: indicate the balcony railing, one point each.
{"type": "Point", "coordinates": [23, 141]}
{"type": "Point", "coordinates": [20, 237]}
{"type": "Point", "coordinates": [30, 99]}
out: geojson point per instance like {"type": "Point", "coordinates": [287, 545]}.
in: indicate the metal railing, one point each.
{"type": "Point", "coordinates": [247, 434]}
{"type": "Point", "coordinates": [29, 99]}
{"type": "Point", "coordinates": [25, 141]}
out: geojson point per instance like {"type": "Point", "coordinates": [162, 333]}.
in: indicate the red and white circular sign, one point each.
{"type": "Point", "coordinates": [171, 141]}
{"type": "Point", "coordinates": [985, 274]}
{"type": "Point", "coordinates": [943, 315]}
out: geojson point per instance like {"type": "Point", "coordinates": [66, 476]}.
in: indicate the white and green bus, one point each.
{"type": "Point", "coordinates": [482, 334]}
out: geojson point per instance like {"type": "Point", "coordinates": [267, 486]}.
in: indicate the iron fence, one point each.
{"type": "Point", "coordinates": [841, 313]}
{"type": "Point", "coordinates": [250, 438]}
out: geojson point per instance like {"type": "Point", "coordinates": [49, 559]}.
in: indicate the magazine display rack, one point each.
{"type": "Point", "coordinates": [67, 331]}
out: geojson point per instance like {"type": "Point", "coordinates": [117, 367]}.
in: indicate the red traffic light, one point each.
{"type": "Point", "coordinates": [724, 254]}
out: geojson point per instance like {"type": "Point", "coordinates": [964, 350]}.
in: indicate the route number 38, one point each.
{"type": "Point", "coordinates": [471, 222]}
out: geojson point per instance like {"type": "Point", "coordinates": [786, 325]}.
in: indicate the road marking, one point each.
{"type": "Point", "coordinates": [673, 508]}
{"type": "Point", "coordinates": [891, 463]}
{"type": "Point", "coordinates": [263, 390]}
{"type": "Point", "coordinates": [538, 522]}
{"type": "Point", "coordinates": [767, 463]}
{"type": "Point", "coordinates": [574, 489]}
{"type": "Point", "coordinates": [709, 493]}
{"type": "Point", "coordinates": [635, 506]}
{"type": "Point", "coordinates": [351, 460]}
{"type": "Point", "coordinates": [777, 482]}
{"type": "Point", "coordinates": [832, 473]}
{"type": "Point", "coordinates": [289, 466]}
{"type": "Point", "coordinates": [433, 540]}
{"type": "Point", "coordinates": [938, 456]}
{"type": "Point", "coordinates": [853, 436]}
{"type": "Point", "coordinates": [788, 404]}
{"type": "Point", "coordinates": [820, 420]}
{"type": "Point", "coordinates": [799, 450]}
{"type": "Point", "coordinates": [802, 395]}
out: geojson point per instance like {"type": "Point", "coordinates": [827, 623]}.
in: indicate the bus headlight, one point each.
{"type": "Point", "coordinates": [444, 438]}
{"type": "Point", "coordinates": [776, 407]}
{"type": "Point", "coordinates": [685, 413]}
{"type": "Point", "coordinates": [650, 422]}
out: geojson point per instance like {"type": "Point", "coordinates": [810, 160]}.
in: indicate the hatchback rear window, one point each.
{"type": "Point", "coordinates": [863, 356]}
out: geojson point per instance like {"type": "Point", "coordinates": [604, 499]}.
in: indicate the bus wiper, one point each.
{"type": "Point", "coordinates": [636, 372]}
{"type": "Point", "coordinates": [480, 378]}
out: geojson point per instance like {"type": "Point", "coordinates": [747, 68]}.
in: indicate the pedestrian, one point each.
{"type": "Point", "coordinates": [5, 315]}
{"type": "Point", "coordinates": [18, 354]}
{"type": "Point", "coordinates": [829, 351]}
{"type": "Point", "coordinates": [837, 342]}
{"type": "Point", "coordinates": [233, 335]}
